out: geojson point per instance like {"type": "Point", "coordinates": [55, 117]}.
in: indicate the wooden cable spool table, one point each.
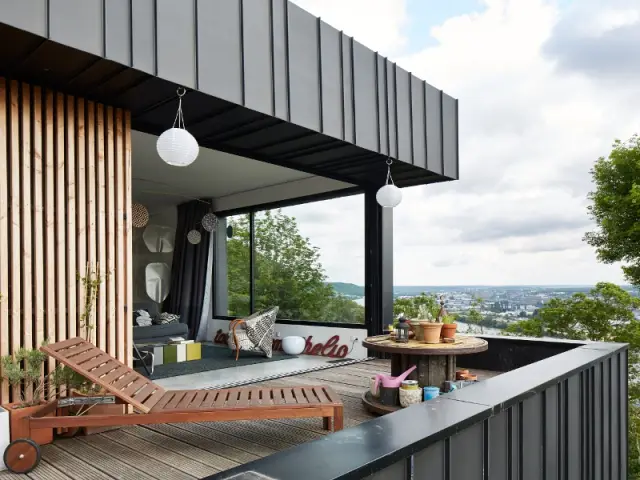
{"type": "Point", "coordinates": [435, 363]}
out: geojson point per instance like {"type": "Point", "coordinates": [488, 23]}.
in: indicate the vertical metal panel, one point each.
{"type": "Point", "coordinates": [450, 135]}
{"type": "Point", "coordinates": [176, 41]}
{"type": "Point", "coordinates": [256, 30]}
{"type": "Point", "coordinates": [392, 109]}
{"type": "Point", "coordinates": [469, 441]}
{"type": "Point", "coordinates": [118, 30]}
{"type": "Point", "coordinates": [513, 417]}
{"type": "Point", "coordinates": [304, 74]}
{"type": "Point", "coordinates": [383, 110]}
{"type": "Point", "coordinates": [623, 408]}
{"type": "Point", "coordinates": [597, 423]}
{"type": "Point", "coordinates": [574, 424]}
{"type": "Point", "coordinates": [606, 419]}
{"type": "Point", "coordinates": [78, 24]}
{"type": "Point", "coordinates": [397, 471]}
{"type": "Point", "coordinates": [550, 440]}
{"type": "Point", "coordinates": [331, 68]}
{"type": "Point", "coordinates": [430, 462]}
{"type": "Point", "coordinates": [403, 112]}
{"type": "Point", "coordinates": [365, 97]}
{"type": "Point", "coordinates": [498, 446]}
{"type": "Point", "coordinates": [347, 82]}
{"type": "Point", "coordinates": [433, 107]}
{"type": "Point", "coordinates": [220, 49]}
{"type": "Point", "coordinates": [418, 123]}
{"type": "Point", "coordinates": [614, 395]}
{"type": "Point", "coordinates": [143, 27]}
{"type": "Point", "coordinates": [280, 59]}
{"type": "Point", "coordinates": [29, 15]}
{"type": "Point", "coordinates": [532, 421]}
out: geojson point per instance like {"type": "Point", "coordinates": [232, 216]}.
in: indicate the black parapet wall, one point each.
{"type": "Point", "coordinates": [562, 417]}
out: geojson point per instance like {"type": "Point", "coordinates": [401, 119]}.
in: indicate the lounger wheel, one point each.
{"type": "Point", "coordinates": [22, 455]}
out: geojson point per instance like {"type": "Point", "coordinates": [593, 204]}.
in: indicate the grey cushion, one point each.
{"type": "Point", "coordinates": [159, 333]}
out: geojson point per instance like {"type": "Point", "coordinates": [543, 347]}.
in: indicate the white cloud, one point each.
{"type": "Point", "coordinates": [530, 130]}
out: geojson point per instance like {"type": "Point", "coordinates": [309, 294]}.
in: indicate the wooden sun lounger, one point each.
{"type": "Point", "coordinates": [153, 404]}
{"type": "Point", "coordinates": [157, 405]}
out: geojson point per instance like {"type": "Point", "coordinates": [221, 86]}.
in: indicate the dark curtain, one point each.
{"type": "Point", "coordinates": [189, 268]}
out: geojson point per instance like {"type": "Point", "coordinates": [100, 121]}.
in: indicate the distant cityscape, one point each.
{"type": "Point", "coordinates": [500, 305]}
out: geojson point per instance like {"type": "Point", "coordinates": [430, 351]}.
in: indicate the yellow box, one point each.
{"type": "Point", "coordinates": [194, 351]}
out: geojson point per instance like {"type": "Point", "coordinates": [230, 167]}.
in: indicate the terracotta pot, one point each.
{"type": "Point", "coordinates": [448, 330]}
{"type": "Point", "coordinates": [108, 409]}
{"type": "Point", "coordinates": [19, 423]}
{"type": "Point", "coordinates": [431, 332]}
{"type": "Point", "coordinates": [417, 330]}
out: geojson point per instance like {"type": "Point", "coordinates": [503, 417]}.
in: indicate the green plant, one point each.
{"type": "Point", "coordinates": [91, 283]}
{"type": "Point", "coordinates": [64, 376]}
{"type": "Point", "coordinates": [449, 318]}
{"type": "Point", "coordinates": [425, 313]}
{"type": "Point", "coordinates": [24, 370]}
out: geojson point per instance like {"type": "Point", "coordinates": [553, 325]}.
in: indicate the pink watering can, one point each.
{"type": "Point", "coordinates": [391, 382]}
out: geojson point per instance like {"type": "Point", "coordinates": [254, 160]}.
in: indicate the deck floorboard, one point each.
{"type": "Point", "coordinates": [195, 450]}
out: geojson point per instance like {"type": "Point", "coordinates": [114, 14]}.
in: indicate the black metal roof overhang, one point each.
{"type": "Point", "coordinates": [265, 80]}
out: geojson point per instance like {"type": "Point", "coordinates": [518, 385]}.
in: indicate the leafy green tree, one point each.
{"type": "Point", "coordinates": [605, 314]}
{"type": "Point", "coordinates": [288, 273]}
{"type": "Point", "coordinates": [616, 207]}
{"type": "Point", "coordinates": [474, 316]}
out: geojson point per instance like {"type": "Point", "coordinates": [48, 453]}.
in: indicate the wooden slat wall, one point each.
{"type": "Point", "coordinates": [65, 200]}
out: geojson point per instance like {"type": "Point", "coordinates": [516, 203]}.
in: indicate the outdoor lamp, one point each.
{"type": "Point", "coordinates": [389, 195]}
{"type": "Point", "coordinates": [402, 333]}
{"type": "Point", "coordinates": [176, 146]}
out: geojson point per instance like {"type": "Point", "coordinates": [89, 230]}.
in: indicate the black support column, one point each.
{"type": "Point", "coordinates": [378, 226]}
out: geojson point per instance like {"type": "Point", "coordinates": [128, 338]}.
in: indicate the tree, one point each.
{"type": "Point", "coordinates": [605, 314]}
{"type": "Point", "coordinates": [616, 207]}
{"type": "Point", "coordinates": [288, 273]}
{"type": "Point", "coordinates": [409, 306]}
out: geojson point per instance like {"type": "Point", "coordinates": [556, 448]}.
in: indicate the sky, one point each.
{"type": "Point", "coordinates": [544, 89]}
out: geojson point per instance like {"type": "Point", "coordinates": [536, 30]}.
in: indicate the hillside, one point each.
{"type": "Point", "coordinates": [348, 289]}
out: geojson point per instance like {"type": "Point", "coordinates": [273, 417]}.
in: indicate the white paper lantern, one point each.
{"type": "Point", "coordinates": [177, 147]}
{"type": "Point", "coordinates": [389, 196]}
{"type": "Point", "coordinates": [209, 222]}
{"type": "Point", "coordinates": [194, 237]}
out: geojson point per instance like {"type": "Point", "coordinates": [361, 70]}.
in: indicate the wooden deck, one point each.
{"type": "Point", "coordinates": [195, 450]}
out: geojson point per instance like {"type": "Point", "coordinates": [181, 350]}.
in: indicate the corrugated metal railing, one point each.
{"type": "Point", "coordinates": [563, 417]}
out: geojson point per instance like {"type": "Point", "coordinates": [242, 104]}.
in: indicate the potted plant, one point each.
{"type": "Point", "coordinates": [449, 326]}
{"type": "Point", "coordinates": [430, 327]}
{"type": "Point", "coordinates": [23, 371]}
{"type": "Point", "coordinates": [78, 386]}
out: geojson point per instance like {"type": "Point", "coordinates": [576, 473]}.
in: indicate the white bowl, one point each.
{"type": "Point", "coordinates": [293, 345]}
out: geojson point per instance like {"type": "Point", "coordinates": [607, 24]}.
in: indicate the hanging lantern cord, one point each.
{"type": "Point", "coordinates": [389, 178]}
{"type": "Point", "coordinates": [179, 116]}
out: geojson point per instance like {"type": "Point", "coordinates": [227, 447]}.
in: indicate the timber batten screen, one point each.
{"type": "Point", "coordinates": [65, 165]}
